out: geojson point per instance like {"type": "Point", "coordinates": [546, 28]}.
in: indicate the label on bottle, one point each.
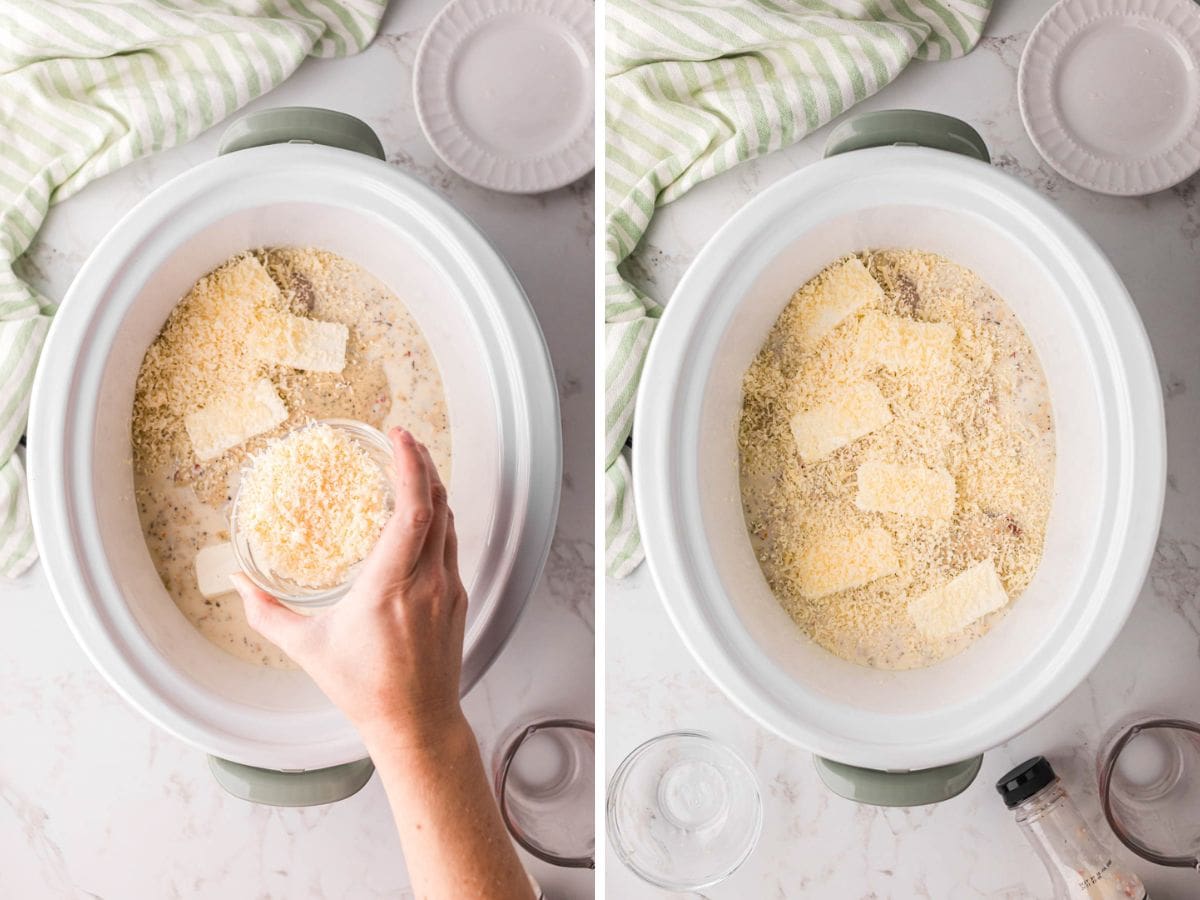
{"type": "Point", "coordinates": [1090, 881]}
{"type": "Point", "coordinates": [1106, 884]}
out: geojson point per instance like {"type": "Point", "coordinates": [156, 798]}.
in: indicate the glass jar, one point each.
{"type": "Point", "coordinates": [1081, 867]}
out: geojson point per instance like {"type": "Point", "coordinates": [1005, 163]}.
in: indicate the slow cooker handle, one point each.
{"type": "Point", "coordinates": [301, 125]}
{"type": "Point", "coordinates": [878, 788]}
{"type": "Point", "coordinates": [272, 788]}
{"type": "Point", "coordinates": [915, 127]}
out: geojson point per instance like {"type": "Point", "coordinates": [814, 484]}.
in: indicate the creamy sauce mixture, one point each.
{"type": "Point", "coordinates": [390, 379]}
{"type": "Point", "coordinates": [986, 419]}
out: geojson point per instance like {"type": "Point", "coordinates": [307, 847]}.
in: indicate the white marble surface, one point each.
{"type": "Point", "coordinates": [815, 844]}
{"type": "Point", "coordinates": [97, 802]}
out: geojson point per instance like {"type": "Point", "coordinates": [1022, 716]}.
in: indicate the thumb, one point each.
{"type": "Point", "coordinates": [266, 615]}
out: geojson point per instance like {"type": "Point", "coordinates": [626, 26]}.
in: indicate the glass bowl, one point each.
{"type": "Point", "coordinates": [380, 450]}
{"type": "Point", "coordinates": [684, 811]}
{"type": "Point", "coordinates": [545, 780]}
{"type": "Point", "coordinates": [1150, 789]}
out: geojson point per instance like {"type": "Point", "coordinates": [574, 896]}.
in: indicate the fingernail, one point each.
{"type": "Point", "coordinates": [406, 437]}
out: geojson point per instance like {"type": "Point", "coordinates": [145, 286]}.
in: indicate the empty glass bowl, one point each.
{"type": "Point", "coordinates": [545, 783]}
{"type": "Point", "coordinates": [380, 450]}
{"type": "Point", "coordinates": [684, 811]}
{"type": "Point", "coordinates": [1150, 789]}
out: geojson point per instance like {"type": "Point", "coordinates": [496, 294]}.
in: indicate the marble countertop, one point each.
{"type": "Point", "coordinates": [815, 844]}
{"type": "Point", "coordinates": [97, 802]}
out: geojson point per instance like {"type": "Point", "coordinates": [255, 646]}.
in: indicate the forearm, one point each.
{"type": "Point", "coordinates": [454, 842]}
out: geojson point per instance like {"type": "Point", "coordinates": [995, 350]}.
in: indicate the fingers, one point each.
{"type": "Point", "coordinates": [450, 565]}
{"type": "Point", "coordinates": [270, 618]}
{"type": "Point", "coordinates": [450, 550]}
{"type": "Point", "coordinates": [403, 537]}
{"type": "Point", "coordinates": [435, 540]}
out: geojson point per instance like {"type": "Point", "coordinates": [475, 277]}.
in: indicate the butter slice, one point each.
{"type": "Point", "coordinates": [841, 291]}
{"type": "Point", "coordinates": [214, 566]}
{"type": "Point", "coordinates": [234, 419]}
{"type": "Point", "coordinates": [850, 415]}
{"type": "Point", "coordinates": [301, 343]}
{"type": "Point", "coordinates": [898, 343]}
{"type": "Point", "coordinates": [248, 279]}
{"type": "Point", "coordinates": [964, 599]}
{"type": "Point", "coordinates": [908, 490]}
{"type": "Point", "coordinates": [841, 561]}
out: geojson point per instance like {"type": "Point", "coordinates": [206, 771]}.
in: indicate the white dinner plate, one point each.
{"type": "Point", "coordinates": [1110, 92]}
{"type": "Point", "coordinates": [504, 91]}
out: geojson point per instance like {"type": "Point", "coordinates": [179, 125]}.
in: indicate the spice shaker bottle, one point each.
{"type": "Point", "coordinates": [1082, 867]}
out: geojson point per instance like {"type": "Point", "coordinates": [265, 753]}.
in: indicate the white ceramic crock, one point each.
{"type": "Point", "coordinates": [500, 392]}
{"type": "Point", "coordinates": [1109, 479]}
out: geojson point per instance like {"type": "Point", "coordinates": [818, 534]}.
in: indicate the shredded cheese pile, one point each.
{"type": "Point", "coordinates": [312, 504]}
{"type": "Point", "coordinates": [205, 349]}
{"type": "Point", "coordinates": [975, 407]}
{"type": "Point", "coordinates": [218, 343]}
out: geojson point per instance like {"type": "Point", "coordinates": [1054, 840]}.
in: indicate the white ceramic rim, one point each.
{"type": "Point", "coordinates": [73, 556]}
{"type": "Point", "coordinates": [665, 462]}
{"type": "Point", "coordinates": [1036, 79]}
{"type": "Point", "coordinates": [453, 143]}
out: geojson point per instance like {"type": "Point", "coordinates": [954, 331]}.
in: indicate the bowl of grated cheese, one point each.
{"type": "Point", "coordinates": [309, 508]}
{"type": "Point", "coordinates": [863, 723]}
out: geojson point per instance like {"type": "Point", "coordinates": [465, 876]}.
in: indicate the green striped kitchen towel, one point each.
{"type": "Point", "coordinates": [86, 86]}
{"type": "Point", "coordinates": [692, 88]}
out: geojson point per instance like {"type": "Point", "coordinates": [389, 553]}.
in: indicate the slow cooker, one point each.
{"type": "Point", "coordinates": [901, 179]}
{"type": "Point", "coordinates": [297, 177]}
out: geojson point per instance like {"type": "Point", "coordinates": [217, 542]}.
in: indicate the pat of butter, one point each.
{"type": "Point", "coordinates": [907, 490]}
{"type": "Point", "coordinates": [308, 344]}
{"type": "Point", "coordinates": [234, 419]}
{"type": "Point", "coordinates": [898, 343]}
{"type": "Point", "coordinates": [840, 291]}
{"type": "Point", "coordinates": [964, 599]}
{"type": "Point", "coordinates": [851, 414]}
{"type": "Point", "coordinates": [839, 562]}
{"type": "Point", "coordinates": [214, 566]}
{"type": "Point", "coordinates": [248, 280]}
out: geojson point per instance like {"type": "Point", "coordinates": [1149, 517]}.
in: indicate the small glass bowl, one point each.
{"type": "Point", "coordinates": [684, 811]}
{"type": "Point", "coordinates": [545, 779]}
{"type": "Point", "coordinates": [380, 450]}
{"type": "Point", "coordinates": [1150, 788]}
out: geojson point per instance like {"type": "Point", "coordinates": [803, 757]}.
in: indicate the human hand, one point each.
{"type": "Point", "coordinates": [389, 653]}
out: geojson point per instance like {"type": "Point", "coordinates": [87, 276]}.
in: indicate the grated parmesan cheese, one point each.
{"type": "Point", "coordinates": [312, 504]}
{"type": "Point", "coordinates": [205, 351]}
{"type": "Point", "coordinates": [967, 398]}
{"type": "Point", "coordinates": [234, 329]}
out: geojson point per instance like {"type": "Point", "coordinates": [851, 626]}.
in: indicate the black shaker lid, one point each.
{"type": "Point", "coordinates": [1025, 780]}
